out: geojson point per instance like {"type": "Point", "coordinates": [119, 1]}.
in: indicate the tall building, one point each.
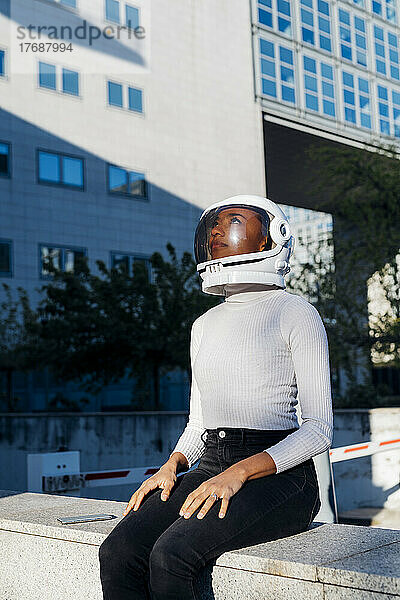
{"type": "Point", "coordinates": [331, 66]}
{"type": "Point", "coordinates": [121, 121]}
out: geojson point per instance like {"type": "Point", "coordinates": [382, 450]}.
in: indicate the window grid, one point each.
{"type": "Point", "coordinates": [62, 257]}
{"type": "Point", "coordinates": [277, 71]}
{"type": "Point", "coordinates": [127, 259]}
{"type": "Point", "coordinates": [383, 109]}
{"type": "Point", "coordinates": [319, 88]}
{"type": "Point", "coordinates": [131, 13]}
{"type": "Point", "coordinates": [60, 169]}
{"type": "Point", "coordinates": [396, 113]}
{"type": "Point", "coordinates": [126, 182]}
{"type": "Point", "coordinates": [2, 63]}
{"type": "Point", "coordinates": [4, 159]}
{"type": "Point", "coordinates": [66, 81]}
{"type": "Point", "coordinates": [353, 40]}
{"type": "Point", "coordinates": [385, 9]}
{"type": "Point", "coordinates": [313, 12]}
{"type": "Point", "coordinates": [356, 100]}
{"type": "Point", "coordinates": [386, 53]}
{"type": "Point", "coordinates": [357, 93]}
{"type": "Point", "coordinates": [125, 96]}
{"type": "Point", "coordinates": [6, 258]}
{"type": "Point", "coordinates": [277, 17]}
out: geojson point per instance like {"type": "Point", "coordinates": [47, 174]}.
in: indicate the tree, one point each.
{"type": "Point", "coordinates": [16, 317]}
{"type": "Point", "coordinates": [364, 189]}
{"type": "Point", "coordinates": [97, 329]}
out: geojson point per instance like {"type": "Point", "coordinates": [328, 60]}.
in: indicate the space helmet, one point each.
{"type": "Point", "coordinates": [243, 239]}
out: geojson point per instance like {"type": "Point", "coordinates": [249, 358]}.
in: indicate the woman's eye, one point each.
{"type": "Point", "coordinates": [236, 219]}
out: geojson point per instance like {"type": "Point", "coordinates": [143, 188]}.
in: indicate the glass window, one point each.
{"type": "Point", "coordinates": [137, 184]}
{"type": "Point", "coordinates": [269, 87]}
{"type": "Point", "coordinates": [2, 63]}
{"type": "Point", "coordinates": [314, 13]}
{"type": "Point", "coordinates": [396, 112]}
{"type": "Point", "coordinates": [383, 109]}
{"type": "Point", "coordinates": [377, 7]}
{"type": "Point", "coordinates": [328, 90]}
{"type": "Point", "coordinates": [268, 71]}
{"type": "Point", "coordinates": [70, 80]}
{"type": "Point", "coordinates": [310, 83]}
{"type": "Point", "coordinates": [132, 16]}
{"type": "Point", "coordinates": [5, 258]}
{"type": "Point", "coordinates": [312, 102]}
{"type": "Point", "coordinates": [277, 78]}
{"type": "Point", "coordinates": [117, 180]}
{"type": "Point", "coordinates": [386, 53]}
{"type": "Point", "coordinates": [267, 48]}
{"type": "Point", "coordinates": [71, 3]}
{"type": "Point", "coordinates": [265, 16]}
{"type": "Point", "coordinates": [47, 76]}
{"type": "Point", "coordinates": [122, 181]}
{"type": "Point", "coordinates": [309, 64]}
{"type": "Point", "coordinates": [63, 258]}
{"type": "Point", "coordinates": [49, 257]}
{"type": "Point", "coordinates": [112, 10]}
{"type": "Point", "coordinates": [49, 167]}
{"type": "Point", "coordinates": [115, 94]}
{"type": "Point", "coordinates": [125, 261]}
{"type": "Point", "coordinates": [385, 9]}
{"type": "Point", "coordinates": [268, 68]}
{"type": "Point", "coordinates": [72, 171]}
{"type": "Point", "coordinates": [353, 41]}
{"type": "Point", "coordinates": [284, 17]}
{"type": "Point", "coordinates": [284, 7]}
{"type": "Point", "coordinates": [4, 159]}
{"type": "Point", "coordinates": [364, 103]}
{"type": "Point", "coordinates": [60, 169]}
{"type": "Point", "coordinates": [348, 98]}
{"type": "Point", "coordinates": [135, 98]}
{"type": "Point", "coordinates": [120, 261]}
{"type": "Point", "coordinates": [281, 21]}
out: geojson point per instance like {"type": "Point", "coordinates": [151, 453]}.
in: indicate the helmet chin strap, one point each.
{"type": "Point", "coordinates": [238, 288]}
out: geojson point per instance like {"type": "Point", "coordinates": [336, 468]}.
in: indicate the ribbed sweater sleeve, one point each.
{"type": "Point", "coordinates": [190, 444]}
{"type": "Point", "coordinates": [303, 331]}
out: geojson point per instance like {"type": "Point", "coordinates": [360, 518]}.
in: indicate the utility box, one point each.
{"type": "Point", "coordinates": [54, 472]}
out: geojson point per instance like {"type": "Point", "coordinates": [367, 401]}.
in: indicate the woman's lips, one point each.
{"type": "Point", "coordinates": [218, 245]}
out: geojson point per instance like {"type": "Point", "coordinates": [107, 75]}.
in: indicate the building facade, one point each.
{"type": "Point", "coordinates": [111, 147]}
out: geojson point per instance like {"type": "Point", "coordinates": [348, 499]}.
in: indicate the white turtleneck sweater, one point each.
{"type": "Point", "coordinates": [253, 358]}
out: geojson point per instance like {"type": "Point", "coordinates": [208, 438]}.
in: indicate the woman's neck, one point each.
{"type": "Point", "coordinates": [238, 288]}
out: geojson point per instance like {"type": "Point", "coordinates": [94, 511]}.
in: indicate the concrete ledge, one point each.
{"type": "Point", "coordinates": [40, 557]}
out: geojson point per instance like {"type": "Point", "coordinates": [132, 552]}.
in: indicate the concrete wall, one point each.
{"type": "Point", "coordinates": [120, 440]}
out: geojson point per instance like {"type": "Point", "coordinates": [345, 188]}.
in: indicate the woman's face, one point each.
{"type": "Point", "coordinates": [236, 231]}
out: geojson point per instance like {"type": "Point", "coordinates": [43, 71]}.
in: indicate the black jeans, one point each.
{"type": "Point", "coordinates": [154, 553]}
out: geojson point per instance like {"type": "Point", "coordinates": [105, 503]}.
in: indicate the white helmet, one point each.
{"type": "Point", "coordinates": [243, 239]}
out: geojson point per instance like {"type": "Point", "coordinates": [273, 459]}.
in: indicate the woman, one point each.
{"type": "Point", "coordinates": [253, 356]}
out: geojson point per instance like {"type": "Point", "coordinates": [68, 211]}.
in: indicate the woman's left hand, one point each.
{"type": "Point", "coordinates": [225, 485]}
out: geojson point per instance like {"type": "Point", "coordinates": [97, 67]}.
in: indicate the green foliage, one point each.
{"type": "Point", "coordinates": [16, 317]}
{"type": "Point", "coordinates": [96, 329]}
{"type": "Point", "coordinates": [364, 189]}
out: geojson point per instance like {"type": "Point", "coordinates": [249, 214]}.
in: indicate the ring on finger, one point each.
{"type": "Point", "coordinates": [214, 496]}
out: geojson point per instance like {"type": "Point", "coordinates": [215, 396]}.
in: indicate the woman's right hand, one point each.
{"type": "Point", "coordinates": [165, 479]}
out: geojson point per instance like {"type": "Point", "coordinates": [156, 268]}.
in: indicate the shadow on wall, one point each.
{"type": "Point", "coordinates": [94, 219]}
{"type": "Point", "coordinates": [60, 16]}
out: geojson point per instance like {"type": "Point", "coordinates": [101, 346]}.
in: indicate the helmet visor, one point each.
{"type": "Point", "coordinates": [232, 230]}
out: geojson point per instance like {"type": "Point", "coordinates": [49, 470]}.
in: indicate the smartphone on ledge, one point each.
{"type": "Point", "coordinates": [84, 518]}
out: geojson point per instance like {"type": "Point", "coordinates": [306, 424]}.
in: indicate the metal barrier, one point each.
{"type": "Point", "coordinates": [42, 474]}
